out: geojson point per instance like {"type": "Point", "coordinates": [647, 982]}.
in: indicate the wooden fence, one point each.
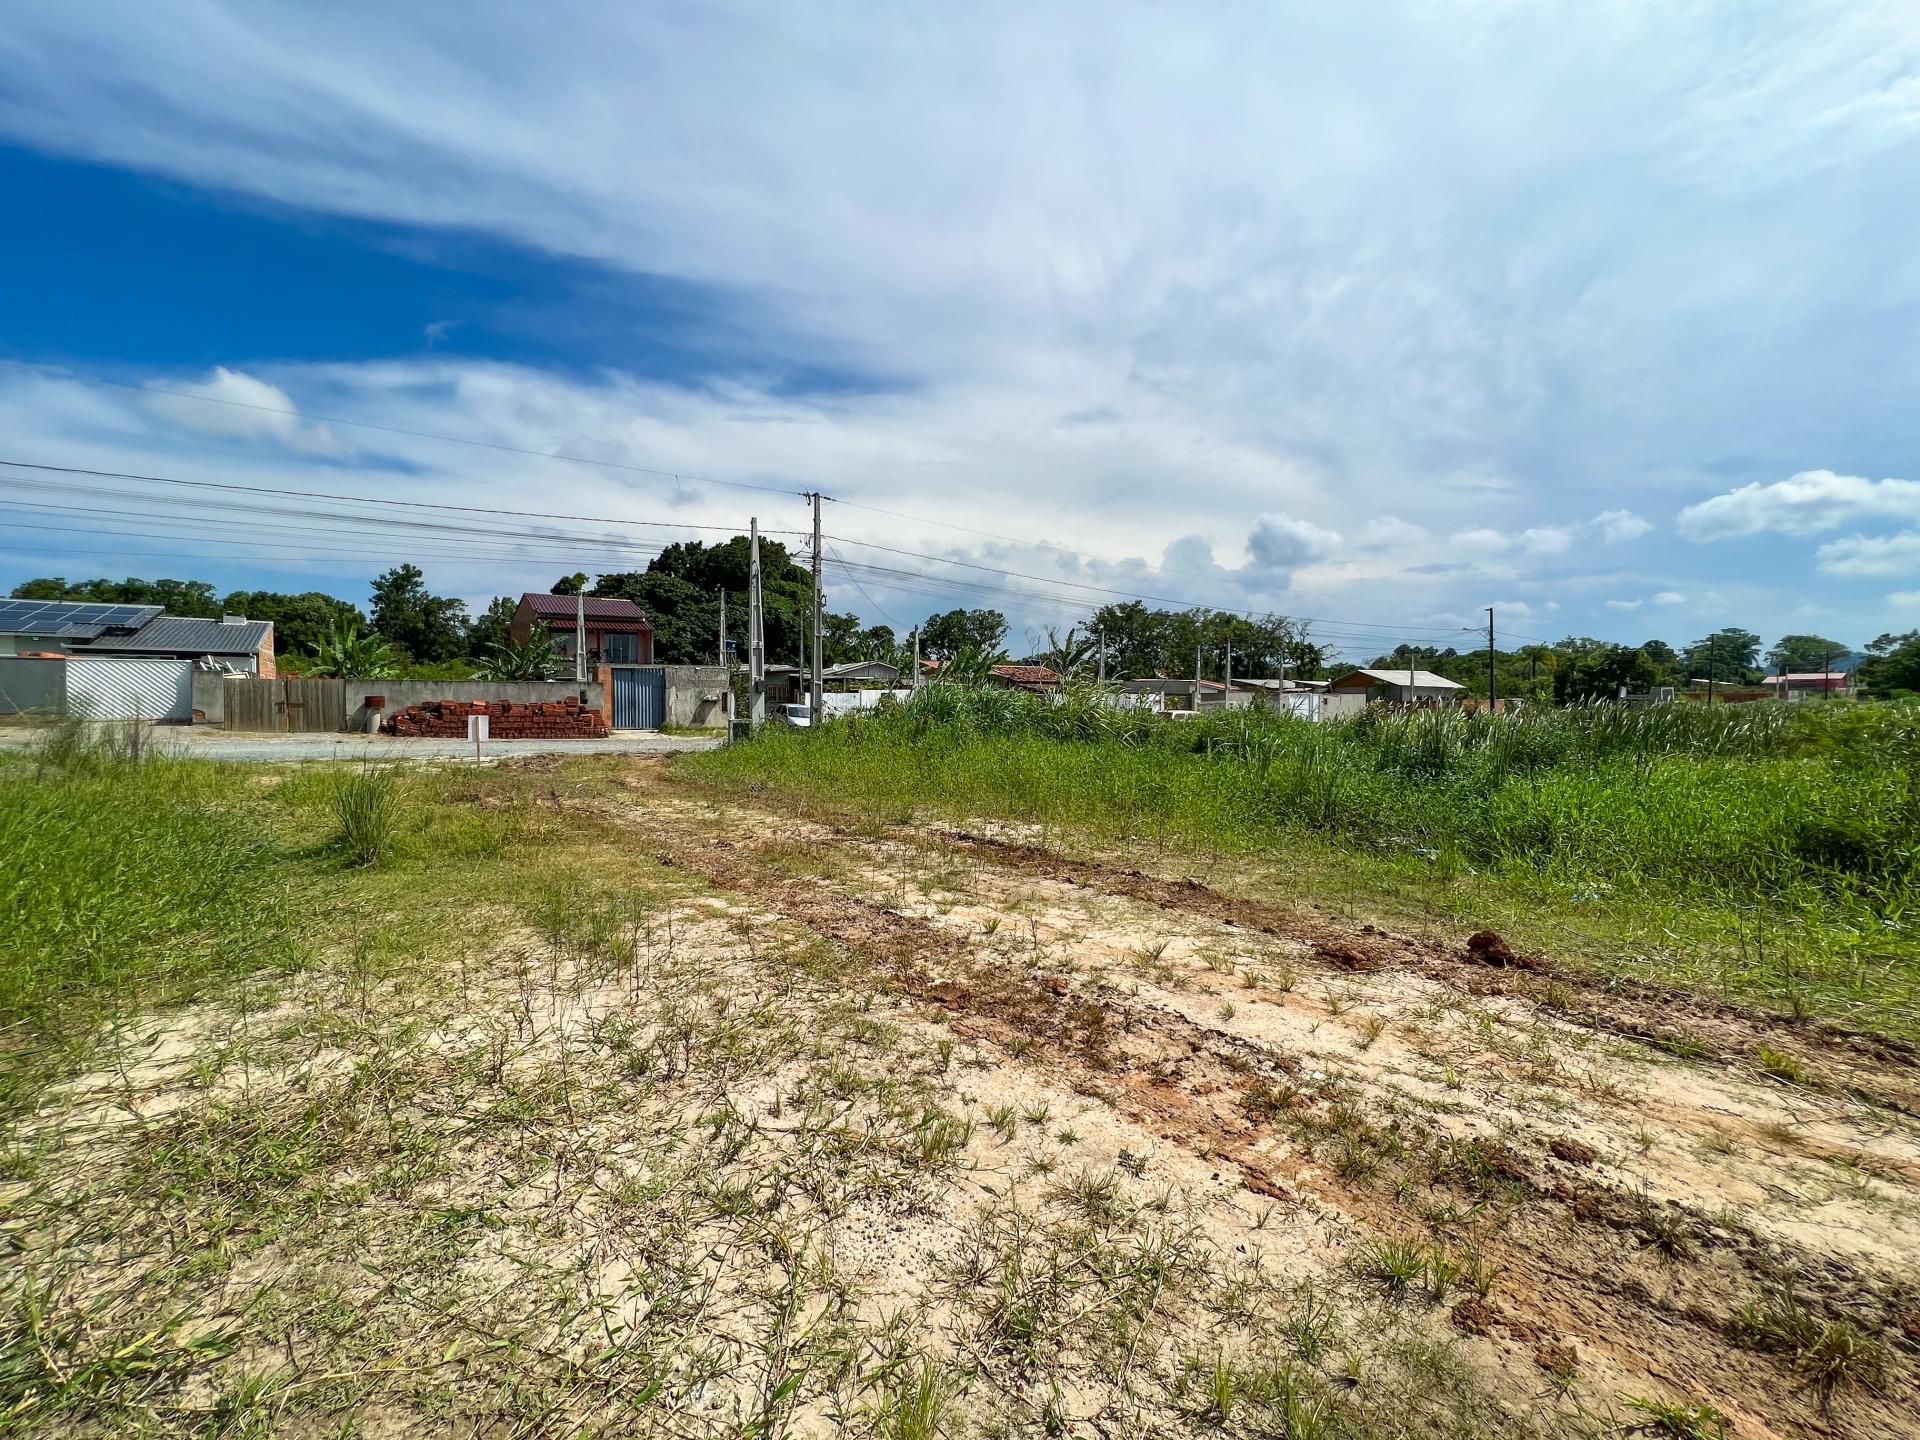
{"type": "Point", "coordinates": [302, 706]}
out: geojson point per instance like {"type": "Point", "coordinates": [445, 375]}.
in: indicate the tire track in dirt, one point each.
{"type": "Point", "coordinates": [1875, 1069]}
{"type": "Point", "coordinates": [1560, 1248]}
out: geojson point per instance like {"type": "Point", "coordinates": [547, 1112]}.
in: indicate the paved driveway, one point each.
{"type": "Point", "coordinates": [205, 742]}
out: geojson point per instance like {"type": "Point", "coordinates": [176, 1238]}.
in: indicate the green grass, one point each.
{"type": "Point", "coordinates": [132, 879]}
{"type": "Point", "coordinates": [1761, 850]}
{"type": "Point", "coordinates": [124, 877]}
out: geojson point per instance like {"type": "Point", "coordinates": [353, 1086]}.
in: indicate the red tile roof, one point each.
{"type": "Point", "coordinates": [1028, 676]}
{"type": "Point", "coordinates": [562, 607]}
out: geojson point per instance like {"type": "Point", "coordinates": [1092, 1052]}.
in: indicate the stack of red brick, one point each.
{"type": "Point", "coordinates": [564, 719]}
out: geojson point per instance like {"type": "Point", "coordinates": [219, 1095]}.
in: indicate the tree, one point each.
{"type": "Point", "coordinates": [1730, 656]}
{"type": "Point", "coordinates": [535, 658]}
{"type": "Point", "coordinates": [427, 627]}
{"type": "Point", "coordinates": [300, 622]}
{"type": "Point", "coordinates": [1597, 670]}
{"type": "Point", "coordinates": [570, 584]}
{"type": "Point", "coordinates": [493, 626]}
{"type": "Point", "coordinates": [945, 636]}
{"type": "Point", "coordinates": [1665, 661]}
{"type": "Point", "coordinates": [1802, 653]}
{"type": "Point", "coordinates": [345, 652]}
{"type": "Point", "coordinates": [1892, 666]}
{"type": "Point", "coordinates": [1066, 654]}
{"type": "Point", "coordinates": [176, 597]}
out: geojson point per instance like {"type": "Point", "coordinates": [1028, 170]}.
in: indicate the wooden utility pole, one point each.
{"type": "Point", "coordinates": [1492, 693]}
{"type": "Point", "coordinates": [756, 633]}
{"type": "Point", "coordinates": [814, 695]}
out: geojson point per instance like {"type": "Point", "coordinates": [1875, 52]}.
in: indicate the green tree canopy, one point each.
{"type": "Point", "coordinates": [944, 636]}
{"type": "Point", "coordinates": [178, 597]}
{"type": "Point", "coordinates": [1892, 666]}
{"type": "Point", "coordinates": [1802, 653]}
{"type": "Point", "coordinates": [1730, 656]}
{"type": "Point", "coordinates": [426, 626]}
{"type": "Point", "coordinates": [493, 626]}
{"type": "Point", "coordinates": [300, 621]}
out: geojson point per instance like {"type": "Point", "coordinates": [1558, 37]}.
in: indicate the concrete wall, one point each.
{"type": "Point", "coordinates": [696, 695]}
{"type": "Point", "coordinates": [402, 693]}
{"type": "Point", "coordinates": [33, 687]}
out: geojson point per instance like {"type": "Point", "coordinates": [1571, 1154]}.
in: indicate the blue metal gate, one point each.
{"type": "Point", "coordinates": [639, 697]}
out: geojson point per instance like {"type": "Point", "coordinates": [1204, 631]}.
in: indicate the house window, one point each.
{"type": "Point", "coordinates": [620, 647]}
{"type": "Point", "coordinates": [563, 643]}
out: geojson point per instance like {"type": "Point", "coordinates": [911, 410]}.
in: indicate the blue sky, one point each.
{"type": "Point", "coordinates": [1608, 320]}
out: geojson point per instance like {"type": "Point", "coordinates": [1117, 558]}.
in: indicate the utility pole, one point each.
{"type": "Point", "coordinates": [1101, 674]}
{"type": "Point", "coordinates": [1196, 679]}
{"type": "Point", "coordinates": [579, 636]}
{"type": "Point", "coordinates": [756, 633]}
{"type": "Point", "coordinates": [1409, 677]}
{"type": "Point", "coordinates": [1713, 666]}
{"type": "Point", "coordinates": [723, 627]}
{"type": "Point", "coordinates": [913, 680]}
{"type": "Point", "coordinates": [814, 700]}
{"type": "Point", "coordinates": [1226, 674]}
{"type": "Point", "coordinates": [1492, 694]}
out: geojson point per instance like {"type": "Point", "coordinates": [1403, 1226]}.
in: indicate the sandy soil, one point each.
{"type": "Point", "coordinates": [929, 1131]}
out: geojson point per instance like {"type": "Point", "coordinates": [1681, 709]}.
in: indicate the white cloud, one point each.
{"type": "Point", "coordinates": [244, 406]}
{"type": "Point", "coordinates": [1618, 525]}
{"type": "Point", "coordinates": [1282, 542]}
{"type": "Point", "coordinates": [1483, 539]}
{"type": "Point", "coordinates": [1547, 539]}
{"type": "Point", "coordinates": [1390, 532]}
{"type": "Point", "coordinates": [1871, 555]}
{"type": "Point", "coordinates": [1511, 610]}
{"type": "Point", "coordinates": [1669, 597]}
{"type": "Point", "coordinates": [1802, 504]}
{"type": "Point", "coordinates": [1180, 237]}
{"type": "Point", "coordinates": [1904, 599]}
{"type": "Point", "coordinates": [1625, 604]}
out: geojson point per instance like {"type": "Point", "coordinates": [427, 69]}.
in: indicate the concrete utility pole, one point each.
{"type": "Point", "coordinates": [1102, 673]}
{"type": "Point", "coordinates": [756, 633]}
{"type": "Point", "coordinates": [579, 636]}
{"type": "Point", "coordinates": [1409, 677]}
{"type": "Point", "coordinates": [1492, 694]}
{"type": "Point", "coordinates": [723, 627]}
{"type": "Point", "coordinates": [1713, 664]}
{"type": "Point", "coordinates": [814, 699]}
{"type": "Point", "coordinates": [913, 680]}
{"type": "Point", "coordinates": [1196, 679]}
{"type": "Point", "coordinates": [1227, 689]}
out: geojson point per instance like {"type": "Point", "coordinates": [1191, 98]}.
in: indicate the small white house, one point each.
{"type": "Point", "coordinates": [1421, 687]}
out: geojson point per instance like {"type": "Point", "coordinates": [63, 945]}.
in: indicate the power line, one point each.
{"type": "Point", "coordinates": [947, 584]}
{"type": "Point", "coordinates": [678, 475]}
{"type": "Point", "coordinates": [374, 499]}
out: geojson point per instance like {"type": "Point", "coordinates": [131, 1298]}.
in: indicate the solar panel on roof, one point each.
{"type": "Point", "coordinates": [71, 619]}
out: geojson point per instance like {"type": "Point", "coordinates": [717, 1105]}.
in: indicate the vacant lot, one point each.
{"type": "Point", "coordinates": [606, 1095]}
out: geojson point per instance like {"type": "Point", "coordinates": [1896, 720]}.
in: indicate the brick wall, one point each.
{"type": "Point", "coordinates": [564, 719]}
{"type": "Point", "coordinates": [263, 661]}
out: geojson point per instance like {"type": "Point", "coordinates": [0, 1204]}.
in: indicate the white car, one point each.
{"type": "Point", "coordinates": [798, 716]}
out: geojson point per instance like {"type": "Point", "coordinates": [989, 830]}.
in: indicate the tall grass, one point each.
{"type": "Point", "coordinates": [1782, 816]}
{"type": "Point", "coordinates": [366, 802]}
{"type": "Point", "coordinates": [125, 875]}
